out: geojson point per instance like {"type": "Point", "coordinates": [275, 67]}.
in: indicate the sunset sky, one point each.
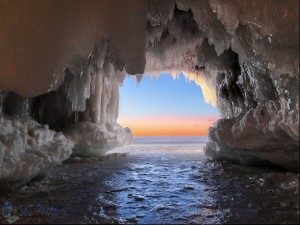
{"type": "Point", "coordinates": [164, 107]}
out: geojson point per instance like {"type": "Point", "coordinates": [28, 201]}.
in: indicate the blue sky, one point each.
{"type": "Point", "coordinates": [162, 97]}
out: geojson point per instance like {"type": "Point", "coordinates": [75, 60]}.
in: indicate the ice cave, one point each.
{"type": "Point", "coordinates": [61, 65]}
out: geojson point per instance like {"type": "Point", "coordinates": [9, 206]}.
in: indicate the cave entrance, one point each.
{"type": "Point", "coordinates": [166, 104]}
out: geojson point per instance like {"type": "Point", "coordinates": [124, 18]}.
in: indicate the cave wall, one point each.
{"type": "Point", "coordinates": [248, 51]}
{"type": "Point", "coordinates": [61, 64]}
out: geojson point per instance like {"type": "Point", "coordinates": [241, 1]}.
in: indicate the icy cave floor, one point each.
{"type": "Point", "coordinates": [157, 187]}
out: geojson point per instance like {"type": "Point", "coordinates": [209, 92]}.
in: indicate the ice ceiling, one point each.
{"type": "Point", "coordinates": [61, 64]}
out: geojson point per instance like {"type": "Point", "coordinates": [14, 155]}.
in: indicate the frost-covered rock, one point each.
{"type": "Point", "coordinates": [28, 148]}
{"type": "Point", "coordinates": [260, 137]}
{"type": "Point", "coordinates": [92, 139]}
{"type": "Point", "coordinates": [259, 117]}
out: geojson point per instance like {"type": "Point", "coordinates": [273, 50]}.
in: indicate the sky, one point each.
{"type": "Point", "coordinates": [164, 107]}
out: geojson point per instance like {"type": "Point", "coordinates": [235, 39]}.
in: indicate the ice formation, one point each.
{"type": "Point", "coordinates": [81, 115]}
{"type": "Point", "coordinates": [96, 139]}
{"type": "Point", "coordinates": [28, 148]}
{"type": "Point", "coordinates": [61, 64]}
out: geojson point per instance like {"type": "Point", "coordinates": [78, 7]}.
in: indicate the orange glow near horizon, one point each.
{"type": "Point", "coordinates": [168, 125]}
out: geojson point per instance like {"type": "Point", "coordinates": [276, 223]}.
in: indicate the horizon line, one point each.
{"type": "Point", "coordinates": [170, 135]}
